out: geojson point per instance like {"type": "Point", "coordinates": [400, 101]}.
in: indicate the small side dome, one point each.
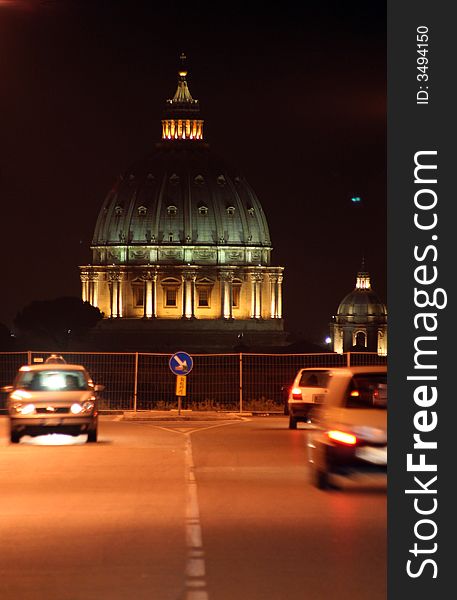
{"type": "Point", "coordinates": [362, 302]}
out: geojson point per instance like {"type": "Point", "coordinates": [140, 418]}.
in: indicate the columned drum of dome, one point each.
{"type": "Point", "coordinates": [360, 323]}
{"type": "Point", "coordinates": [182, 244]}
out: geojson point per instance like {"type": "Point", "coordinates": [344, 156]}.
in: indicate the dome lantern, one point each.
{"type": "Point", "coordinates": [181, 119]}
{"type": "Point", "coordinates": [363, 279]}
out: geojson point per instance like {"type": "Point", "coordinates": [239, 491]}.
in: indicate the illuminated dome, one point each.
{"type": "Point", "coordinates": [182, 196]}
{"type": "Point", "coordinates": [360, 323]}
{"type": "Point", "coordinates": [362, 302]}
{"type": "Point", "coordinates": [181, 248]}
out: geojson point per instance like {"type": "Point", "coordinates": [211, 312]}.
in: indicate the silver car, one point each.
{"type": "Point", "coordinates": [351, 434]}
{"type": "Point", "coordinates": [52, 398]}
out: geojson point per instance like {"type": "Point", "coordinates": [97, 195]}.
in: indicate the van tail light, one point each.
{"type": "Point", "coordinates": [296, 393]}
{"type": "Point", "coordinates": [342, 437]}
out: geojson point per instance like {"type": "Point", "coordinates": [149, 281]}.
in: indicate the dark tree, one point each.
{"type": "Point", "coordinates": [5, 338]}
{"type": "Point", "coordinates": [56, 321]}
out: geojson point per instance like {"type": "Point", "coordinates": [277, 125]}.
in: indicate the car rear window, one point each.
{"type": "Point", "coordinates": [367, 391]}
{"type": "Point", "coordinates": [314, 379]}
{"type": "Point", "coordinates": [53, 380]}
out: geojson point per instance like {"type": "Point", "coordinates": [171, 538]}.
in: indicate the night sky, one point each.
{"type": "Point", "coordinates": [295, 96]}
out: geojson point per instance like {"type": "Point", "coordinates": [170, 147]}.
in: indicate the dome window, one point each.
{"type": "Point", "coordinates": [174, 178]}
{"type": "Point", "coordinates": [150, 177]}
{"type": "Point", "coordinates": [172, 210]}
{"type": "Point", "coordinates": [131, 177]}
{"type": "Point", "coordinates": [203, 210]}
{"type": "Point", "coordinates": [118, 211]}
{"type": "Point", "coordinates": [251, 211]}
{"type": "Point", "coordinates": [199, 180]}
{"type": "Point", "coordinates": [230, 210]}
{"type": "Point", "coordinates": [221, 180]}
{"type": "Point", "coordinates": [142, 210]}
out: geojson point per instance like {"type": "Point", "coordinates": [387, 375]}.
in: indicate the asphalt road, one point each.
{"type": "Point", "coordinates": [214, 510]}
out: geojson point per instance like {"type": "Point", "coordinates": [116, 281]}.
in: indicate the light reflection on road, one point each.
{"type": "Point", "coordinates": [54, 439]}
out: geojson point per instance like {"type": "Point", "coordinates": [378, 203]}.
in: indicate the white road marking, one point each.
{"type": "Point", "coordinates": [188, 430]}
{"type": "Point", "coordinates": [195, 562]}
{"type": "Point", "coordinates": [195, 568]}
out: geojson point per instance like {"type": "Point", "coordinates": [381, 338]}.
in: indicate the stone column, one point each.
{"type": "Point", "coordinates": [279, 298]}
{"type": "Point", "coordinates": [222, 280]}
{"type": "Point", "coordinates": [259, 298]}
{"type": "Point", "coordinates": [92, 289]}
{"type": "Point", "coordinates": [150, 294]}
{"type": "Point", "coordinates": [85, 286]}
{"type": "Point", "coordinates": [256, 295]}
{"type": "Point", "coordinates": [226, 295]}
{"type": "Point", "coordinates": [230, 298]}
{"type": "Point", "coordinates": [253, 295]}
{"type": "Point", "coordinates": [115, 294]}
{"type": "Point", "coordinates": [273, 294]}
{"type": "Point", "coordinates": [189, 294]}
{"type": "Point", "coordinates": [120, 296]}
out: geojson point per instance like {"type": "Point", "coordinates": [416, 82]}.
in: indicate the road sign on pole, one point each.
{"type": "Point", "coordinates": [181, 363]}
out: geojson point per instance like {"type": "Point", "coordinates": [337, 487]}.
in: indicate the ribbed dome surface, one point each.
{"type": "Point", "coordinates": [362, 303]}
{"type": "Point", "coordinates": [181, 195]}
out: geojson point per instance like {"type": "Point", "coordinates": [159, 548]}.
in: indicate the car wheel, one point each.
{"type": "Point", "coordinates": [321, 479]}
{"type": "Point", "coordinates": [15, 437]}
{"type": "Point", "coordinates": [292, 423]}
{"type": "Point", "coordinates": [92, 435]}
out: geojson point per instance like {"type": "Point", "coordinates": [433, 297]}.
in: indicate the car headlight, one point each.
{"type": "Point", "coordinates": [85, 407]}
{"type": "Point", "coordinates": [24, 409]}
{"type": "Point", "coordinates": [20, 395]}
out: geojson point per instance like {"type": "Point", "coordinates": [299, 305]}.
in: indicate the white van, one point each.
{"type": "Point", "coordinates": [308, 389]}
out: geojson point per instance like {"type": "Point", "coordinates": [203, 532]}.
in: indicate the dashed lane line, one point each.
{"type": "Point", "coordinates": [195, 559]}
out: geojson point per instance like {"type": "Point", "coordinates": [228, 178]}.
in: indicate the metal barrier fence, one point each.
{"type": "Point", "coordinates": [231, 382]}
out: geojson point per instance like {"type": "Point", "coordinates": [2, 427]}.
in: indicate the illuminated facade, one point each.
{"type": "Point", "coordinates": [182, 245]}
{"type": "Point", "coordinates": [361, 320]}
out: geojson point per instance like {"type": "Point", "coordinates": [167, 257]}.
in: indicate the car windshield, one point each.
{"type": "Point", "coordinates": [368, 391]}
{"type": "Point", "coordinates": [53, 380]}
{"type": "Point", "coordinates": [314, 379]}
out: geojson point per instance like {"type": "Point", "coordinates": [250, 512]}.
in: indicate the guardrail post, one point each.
{"type": "Point", "coordinates": [135, 385]}
{"type": "Point", "coordinates": [348, 359]}
{"type": "Point", "coordinates": [29, 357]}
{"type": "Point", "coordinates": [241, 382]}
